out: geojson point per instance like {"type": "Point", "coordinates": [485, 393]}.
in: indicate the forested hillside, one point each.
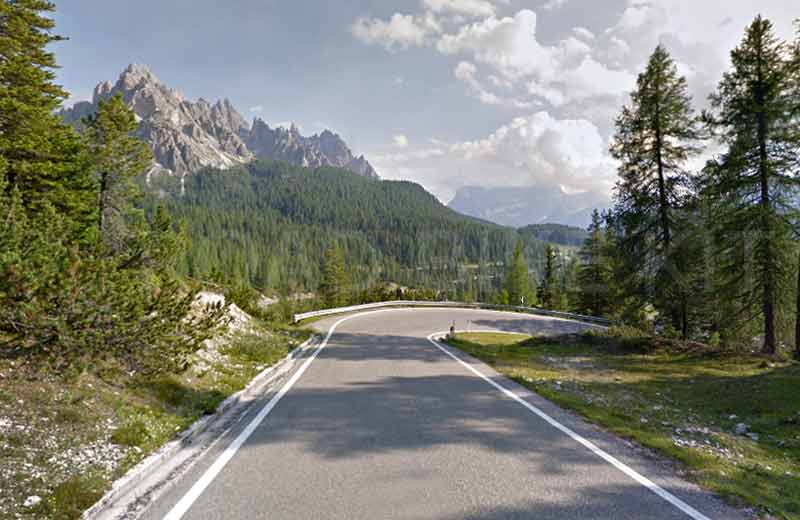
{"type": "Point", "coordinates": [555, 233]}
{"type": "Point", "coordinates": [268, 224]}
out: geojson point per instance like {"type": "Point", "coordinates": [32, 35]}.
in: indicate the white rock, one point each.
{"type": "Point", "coordinates": [740, 429]}
{"type": "Point", "coordinates": [32, 501]}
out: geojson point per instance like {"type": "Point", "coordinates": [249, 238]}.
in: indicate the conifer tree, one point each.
{"type": "Point", "coordinates": [656, 135]}
{"type": "Point", "coordinates": [518, 285]}
{"type": "Point", "coordinates": [593, 275]}
{"type": "Point", "coordinates": [43, 156]}
{"type": "Point", "coordinates": [118, 158]}
{"type": "Point", "coordinates": [335, 287]}
{"type": "Point", "coordinates": [795, 92]}
{"type": "Point", "coordinates": [754, 183]}
{"type": "Point", "coordinates": [550, 289]}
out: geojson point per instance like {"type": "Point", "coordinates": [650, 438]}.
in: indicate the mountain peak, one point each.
{"type": "Point", "coordinates": [137, 74]}
{"type": "Point", "coordinates": [187, 136]}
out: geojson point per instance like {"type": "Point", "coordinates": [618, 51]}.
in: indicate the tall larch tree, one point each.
{"type": "Point", "coordinates": [594, 295]}
{"type": "Point", "coordinates": [334, 287]}
{"type": "Point", "coordinates": [551, 284]}
{"type": "Point", "coordinates": [42, 156]}
{"type": "Point", "coordinates": [754, 183]}
{"type": "Point", "coordinates": [655, 137]}
{"type": "Point", "coordinates": [518, 283]}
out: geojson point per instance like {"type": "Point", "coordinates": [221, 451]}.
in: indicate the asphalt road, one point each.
{"type": "Point", "coordinates": [385, 424]}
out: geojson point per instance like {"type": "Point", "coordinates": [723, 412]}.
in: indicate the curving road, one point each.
{"type": "Point", "coordinates": [383, 423]}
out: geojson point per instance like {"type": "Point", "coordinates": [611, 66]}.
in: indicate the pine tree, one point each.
{"type": "Point", "coordinates": [518, 285]}
{"type": "Point", "coordinates": [118, 159]}
{"type": "Point", "coordinates": [795, 89]}
{"type": "Point", "coordinates": [655, 137]}
{"type": "Point", "coordinates": [335, 287]}
{"type": "Point", "coordinates": [43, 157]}
{"type": "Point", "coordinates": [593, 276]}
{"type": "Point", "coordinates": [550, 289]}
{"type": "Point", "coordinates": [754, 184]}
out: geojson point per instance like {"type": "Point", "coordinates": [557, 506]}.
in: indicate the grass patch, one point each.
{"type": "Point", "coordinates": [70, 498]}
{"type": "Point", "coordinates": [684, 401]}
{"type": "Point", "coordinates": [258, 350]}
{"type": "Point", "coordinates": [66, 439]}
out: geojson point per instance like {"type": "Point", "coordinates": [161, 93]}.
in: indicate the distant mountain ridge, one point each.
{"type": "Point", "coordinates": [522, 206]}
{"type": "Point", "coordinates": [188, 136]}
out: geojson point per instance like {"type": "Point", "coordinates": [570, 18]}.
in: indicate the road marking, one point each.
{"type": "Point", "coordinates": [638, 477]}
{"type": "Point", "coordinates": [183, 505]}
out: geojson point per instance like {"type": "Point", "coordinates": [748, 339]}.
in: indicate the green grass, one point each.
{"type": "Point", "coordinates": [70, 498]}
{"type": "Point", "coordinates": [682, 401]}
{"type": "Point", "coordinates": [136, 413]}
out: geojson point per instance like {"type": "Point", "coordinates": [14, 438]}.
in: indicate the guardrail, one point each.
{"type": "Point", "coordinates": [487, 306]}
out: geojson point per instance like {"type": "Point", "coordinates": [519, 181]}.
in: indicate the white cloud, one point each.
{"type": "Point", "coordinates": [257, 109]}
{"type": "Point", "coordinates": [583, 33]}
{"type": "Point", "coordinates": [399, 32]}
{"type": "Point", "coordinates": [553, 4]}
{"type": "Point", "coordinates": [559, 73]}
{"type": "Point", "coordinates": [466, 72]}
{"type": "Point", "coordinates": [400, 141]}
{"type": "Point", "coordinates": [533, 149]}
{"type": "Point", "coordinates": [582, 76]}
{"type": "Point", "coordinates": [475, 8]}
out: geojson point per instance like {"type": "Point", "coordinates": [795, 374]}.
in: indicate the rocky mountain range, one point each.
{"type": "Point", "coordinates": [522, 206]}
{"type": "Point", "coordinates": [187, 136]}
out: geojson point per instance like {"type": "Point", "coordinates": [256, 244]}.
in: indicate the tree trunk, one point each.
{"type": "Point", "coordinates": [663, 209]}
{"type": "Point", "coordinates": [768, 269]}
{"type": "Point", "coordinates": [684, 319]}
{"type": "Point", "coordinates": [797, 318]}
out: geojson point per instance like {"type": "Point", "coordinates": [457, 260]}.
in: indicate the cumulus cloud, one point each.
{"type": "Point", "coordinates": [401, 31]}
{"type": "Point", "coordinates": [466, 72]}
{"type": "Point", "coordinates": [559, 73]}
{"type": "Point", "coordinates": [474, 8]}
{"type": "Point", "coordinates": [535, 149]}
{"type": "Point", "coordinates": [577, 80]}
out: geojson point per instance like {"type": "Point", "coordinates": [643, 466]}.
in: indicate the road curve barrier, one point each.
{"type": "Point", "coordinates": [461, 305]}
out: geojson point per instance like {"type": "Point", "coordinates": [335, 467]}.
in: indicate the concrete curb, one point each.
{"type": "Point", "coordinates": [138, 473]}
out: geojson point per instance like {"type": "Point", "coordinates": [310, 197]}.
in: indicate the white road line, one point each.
{"type": "Point", "coordinates": [183, 505]}
{"type": "Point", "coordinates": [638, 477]}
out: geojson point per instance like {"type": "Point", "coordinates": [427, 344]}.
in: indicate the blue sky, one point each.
{"type": "Point", "coordinates": [443, 92]}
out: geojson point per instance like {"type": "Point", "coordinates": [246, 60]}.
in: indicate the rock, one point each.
{"type": "Point", "coordinates": [753, 436]}
{"type": "Point", "coordinates": [32, 500]}
{"type": "Point", "coordinates": [740, 429]}
{"type": "Point", "coordinates": [287, 144]}
{"type": "Point", "coordinates": [187, 136]}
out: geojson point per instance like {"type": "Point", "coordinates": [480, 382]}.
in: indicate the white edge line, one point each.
{"type": "Point", "coordinates": [183, 505]}
{"type": "Point", "coordinates": [638, 477]}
